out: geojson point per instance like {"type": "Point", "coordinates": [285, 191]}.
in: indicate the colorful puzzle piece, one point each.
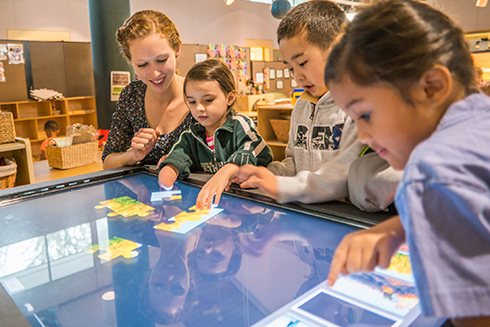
{"type": "Point", "coordinates": [114, 248]}
{"type": "Point", "coordinates": [126, 207]}
{"type": "Point", "coordinates": [185, 221]}
{"type": "Point", "coordinates": [166, 195]}
{"type": "Point", "coordinates": [400, 263]}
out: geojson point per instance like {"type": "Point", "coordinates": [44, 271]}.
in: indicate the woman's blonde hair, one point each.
{"type": "Point", "coordinates": [143, 23]}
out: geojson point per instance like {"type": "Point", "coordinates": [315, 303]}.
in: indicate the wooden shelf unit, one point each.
{"type": "Point", "coordinates": [20, 150]}
{"type": "Point", "coordinates": [264, 127]}
{"type": "Point", "coordinates": [30, 116]}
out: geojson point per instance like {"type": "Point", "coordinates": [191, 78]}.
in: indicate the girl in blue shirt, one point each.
{"type": "Point", "coordinates": [403, 72]}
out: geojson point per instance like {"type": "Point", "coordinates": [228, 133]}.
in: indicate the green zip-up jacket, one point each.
{"type": "Point", "coordinates": [236, 141]}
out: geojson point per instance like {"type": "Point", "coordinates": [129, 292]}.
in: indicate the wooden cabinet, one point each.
{"type": "Point", "coordinates": [245, 103]}
{"type": "Point", "coordinates": [264, 127]}
{"type": "Point", "coordinates": [20, 150]}
{"type": "Point", "coordinates": [30, 117]}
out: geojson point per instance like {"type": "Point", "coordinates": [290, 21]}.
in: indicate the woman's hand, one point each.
{"type": "Point", "coordinates": [251, 176]}
{"type": "Point", "coordinates": [167, 176]}
{"type": "Point", "coordinates": [143, 142]}
{"type": "Point", "coordinates": [215, 186]}
{"type": "Point", "coordinates": [364, 250]}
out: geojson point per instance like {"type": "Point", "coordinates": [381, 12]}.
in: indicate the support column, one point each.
{"type": "Point", "coordinates": [106, 16]}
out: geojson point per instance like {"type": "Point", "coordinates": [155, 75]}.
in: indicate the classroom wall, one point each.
{"type": "Point", "coordinates": [212, 21]}
{"type": "Point", "coordinates": [199, 21]}
{"type": "Point", "coordinates": [54, 15]}
{"type": "Point", "coordinates": [470, 17]}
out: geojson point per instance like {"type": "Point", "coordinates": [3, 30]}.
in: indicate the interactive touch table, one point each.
{"type": "Point", "coordinates": [112, 249]}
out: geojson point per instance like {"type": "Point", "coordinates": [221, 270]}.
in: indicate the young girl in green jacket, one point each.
{"type": "Point", "coordinates": [220, 142]}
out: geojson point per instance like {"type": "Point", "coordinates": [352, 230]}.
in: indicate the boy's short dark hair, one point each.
{"type": "Point", "coordinates": [51, 125]}
{"type": "Point", "coordinates": [322, 20]}
{"type": "Point", "coordinates": [396, 42]}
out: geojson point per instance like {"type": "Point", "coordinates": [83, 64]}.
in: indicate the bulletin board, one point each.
{"type": "Point", "coordinates": [276, 76]}
{"type": "Point", "coordinates": [237, 58]}
{"type": "Point", "coordinates": [13, 85]}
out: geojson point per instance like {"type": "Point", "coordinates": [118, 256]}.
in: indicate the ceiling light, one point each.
{"type": "Point", "coordinates": [229, 2]}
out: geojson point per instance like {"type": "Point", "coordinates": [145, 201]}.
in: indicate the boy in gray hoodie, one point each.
{"type": "Point", "coordinates": [322, 139]}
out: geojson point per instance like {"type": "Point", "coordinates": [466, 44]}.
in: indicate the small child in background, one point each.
{"type": "Point", "coordinates": [220, 142]}
{"type": "Point", "coordinates": [52, 130]}
{"type": "Point", "coordinates": [403, 72]}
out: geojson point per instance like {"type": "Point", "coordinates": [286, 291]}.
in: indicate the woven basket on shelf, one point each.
{"type": "Point", "coordinates": [281, 129]}
{"type": "Point", "coordinates": [7, 127]}
{"type": "Point", "coordinates": [72, 156]}
{"type": "Point", "coordinates": [8, 174]}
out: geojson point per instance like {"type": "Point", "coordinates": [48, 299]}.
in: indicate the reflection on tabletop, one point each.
{"type": "Point", "coordinates": [105, 254]}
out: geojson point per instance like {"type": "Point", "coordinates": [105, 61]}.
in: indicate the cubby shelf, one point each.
{"type": "Point", "coordinates": [264, 114]}
{"type": "Point", "coordinates": [20, 150]}
{"type": "Point", "coordinates": [30, 116]}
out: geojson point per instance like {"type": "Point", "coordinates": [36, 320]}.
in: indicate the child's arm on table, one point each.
{"type": "Point", "coordinates": [250, 176]}
{"type": "Point", "coordinates": [215, 186]}
{"type": "Point", "coordinates": [167, 176]}
{"type": "Point", "coordinates": [177, 163]}
{"type": "Point", "coordinates": [364, 250]}
{"type": "Point", "coordinates": [251, 149]}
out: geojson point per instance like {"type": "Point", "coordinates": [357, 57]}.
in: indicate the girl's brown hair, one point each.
{"type": "Point", "coordinates": [396, 42]}
{"type": "Point", "coordinates": [212, 70]}
{"type": "Point", "coordinates": [143, 23]}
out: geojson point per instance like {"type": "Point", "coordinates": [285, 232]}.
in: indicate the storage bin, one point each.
{"type": "Point", "coordinates": [71, 156]}
{"type": "Point", "coordinates": [281, 129]}
{"type": "Point", "coordinates": [8, 174]}
{"type": "Point", "coordinates": [7, 128]}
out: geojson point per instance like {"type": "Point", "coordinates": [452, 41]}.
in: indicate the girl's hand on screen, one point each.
{"type": "Point", "coordinates": [167, 177]}
{"type": "Point", "coordinates": [215, 186]}
{"type": "Point", "coordinates": [365, 249]}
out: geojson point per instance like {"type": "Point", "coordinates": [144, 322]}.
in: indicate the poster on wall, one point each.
{"type": "Point", "coordinates": [199, 57]}
{"type": "Point", "coordinates": [259, 77]}
{"type": "Point", "coordinates": [272, 73]}
{"type": "Point", "coordinates": [286, 73]}
{"type": "Point", "coordinates": [279, 73]}
{"type": "Point", "coordinates": [3, 52]}
{"type": "Point", "coordinates": [119, 80]}
{"type": "Point", "coordinates": [15, 53]}
{"type": "Point", "coordinates": [266, 72]}
{"type": "Point", "coordinates": [2, 73]}
{"type": "Point", "coordinates": [235, 57]}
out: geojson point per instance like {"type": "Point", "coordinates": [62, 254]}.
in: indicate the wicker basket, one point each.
{"type": "Point", "coordinates": [72, 156]}
{"type": "Point", "coordinates": [281, 129]}
{"type": "Point", "coordinates": [7, 127]}
{"type": "Point", "coordinates": [8, 174]}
